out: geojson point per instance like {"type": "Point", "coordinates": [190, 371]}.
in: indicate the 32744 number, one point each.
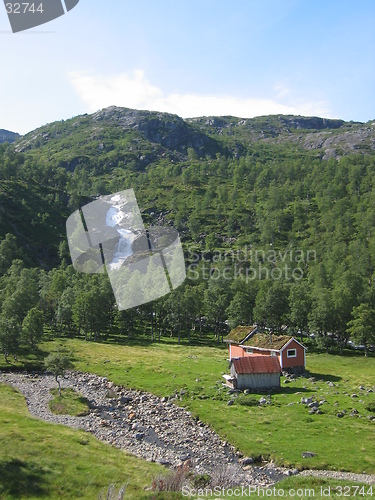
{"type": "Point", "coordinates": [352, 491]}
{"type": "Point", "coordinates": [23, 8]}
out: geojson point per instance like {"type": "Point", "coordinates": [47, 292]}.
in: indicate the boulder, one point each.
{"type": "Point", "coordinates": [308, 454]}
{"type": "Point", "coordinates": [246, 461]}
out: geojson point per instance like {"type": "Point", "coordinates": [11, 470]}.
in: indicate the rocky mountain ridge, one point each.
{"type": "Point", "coordinates": [167, 135]}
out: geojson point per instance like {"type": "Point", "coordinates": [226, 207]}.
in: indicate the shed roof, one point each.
{"type": "Point", "coordinates": [256, 364]}
{"type": "Point", "coordinates": [240, 333]}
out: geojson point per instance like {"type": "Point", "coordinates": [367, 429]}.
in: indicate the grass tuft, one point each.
{"type": "Point", "coordinates": [69, 403]}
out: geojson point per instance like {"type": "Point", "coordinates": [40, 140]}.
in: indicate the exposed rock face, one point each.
{"type": "Point", "coordinates": [313, 122]}
{"type": "Point", "coordinates": [167, 135]}
{"type": "Point", "coordinates": [170, 131]}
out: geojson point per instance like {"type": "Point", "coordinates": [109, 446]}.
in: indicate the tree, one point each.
{"type": "Point", "coordinates": [175, 317]}
{"type": "Point", "coordinates": [9, 337]}
{"type": "Point", "coordinates": [362, 326]}
{"type": "Point", "coordinates": [217, 298]}
{"type": "Point", "coordinates": [240, 310]}
{"type": "Point", "coordinates": [92, 306]}
{"type": "Point", "coordinates": [322, 316]}
{"type": "Point", "coordinates": [25, 295]}
{"type": "Point", "coordinates": [32, 327]}
{"type": "Point", "coordinates": [346, 295]}
{"type": "Point", "coordinates": [272, 305]}
{"type": "Point", "coordinates": [57, 363]}
{"type": "Point", "coordinates": [8, 252]}
{"type": "Point", "coordinates": [64, 314]}
{"type": "Point", "coordinates": [300, 305]}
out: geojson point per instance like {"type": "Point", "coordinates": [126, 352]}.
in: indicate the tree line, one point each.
{"type": "Point", "coordinates": [70, 304]}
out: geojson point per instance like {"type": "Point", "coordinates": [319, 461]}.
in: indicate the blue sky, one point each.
{"type": "Point", "coordinates": [193, 58]}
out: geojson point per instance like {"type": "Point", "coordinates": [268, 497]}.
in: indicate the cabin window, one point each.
{"type": "Point", "coordinates": [249, 350]}
{"type": "Point", "coordinates": [291, 353]}
{"type": "Point", "coordinates": [273, 353]}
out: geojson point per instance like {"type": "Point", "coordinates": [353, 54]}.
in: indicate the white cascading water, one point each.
{"type": "Point", "coordinates": [124, 249]}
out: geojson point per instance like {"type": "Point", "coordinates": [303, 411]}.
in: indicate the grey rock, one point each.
{"type": "Point", "coordinates": [308, 454]}
{"type": "Point", "coordinates": [110, 393]}
{"type": "Point", "coordinates": [246, 461]}
{"type": "Point", "coordinates": [306, 401]}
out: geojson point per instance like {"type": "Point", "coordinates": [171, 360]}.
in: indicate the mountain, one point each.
{"type": "Point", "coordinates": [6, 136]}
{"type": "Point", "coordinates": [328, 138]}
{"type": "Point", "coordinates": [223, 182]}
{"type": "Point", "coordinates": [141, 137]}
{"type": "Point", "coordinates": [145, 136]}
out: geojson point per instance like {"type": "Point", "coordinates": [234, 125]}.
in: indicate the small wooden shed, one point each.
{"type": "Point", "coordinates": [254, 372]}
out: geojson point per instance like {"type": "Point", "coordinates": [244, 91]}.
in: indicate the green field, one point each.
{"type": "Point", "coordinates": [41, 460]}
{"type": "Point", "coordinates": [52, 461]}
{"type": "Point", "coordinates": [276, 431]}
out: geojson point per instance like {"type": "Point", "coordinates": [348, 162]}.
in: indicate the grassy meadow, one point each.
{"type": "Point", "coordinates": [52, 461]}
{"type": "Point", "coordinates": [281, 431]}
{"type": "Point", "coordinates": [42, 460]}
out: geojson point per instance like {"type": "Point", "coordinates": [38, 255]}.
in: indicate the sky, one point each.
{"type": "Point", "coordinates": [242, 58]}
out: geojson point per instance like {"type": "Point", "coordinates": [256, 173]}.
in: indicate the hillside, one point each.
{"type": "Point", "coordinates": [156, 135]}
{"type": "Point", "coordinates": [34, 214]}
{"type": "Point", "coordinates": [328, 138]}
{"type": "Point", "coordinates": [6, 136]}
{"type": "Point", "coordinates": [289, 199]}
{"type": "Point", "coordinates": [238, 181]}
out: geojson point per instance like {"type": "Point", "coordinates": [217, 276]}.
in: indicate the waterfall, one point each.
{"type": "Point", "coordinates": [123, 249]}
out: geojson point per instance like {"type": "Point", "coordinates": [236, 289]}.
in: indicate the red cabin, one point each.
{"type": "Point", "coordinates": [244, 341]}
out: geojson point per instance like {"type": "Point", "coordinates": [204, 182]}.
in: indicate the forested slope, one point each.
{"type": "Point", "coordinates": [280, 190]}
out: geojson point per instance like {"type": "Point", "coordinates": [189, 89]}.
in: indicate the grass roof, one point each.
{"type": "Point", "coordinates": [238, 334]}
{"type": "Point", "coordinates": [263, 340]}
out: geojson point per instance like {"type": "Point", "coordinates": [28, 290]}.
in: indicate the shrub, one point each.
{"type": "Point", "coordinates": [112, 494]}
{"type": "Point", "coordinates": [224, 477]}
{"type": "Point", "coordinates": [174, 480]}
{"type": "Point", "coordinates": [246, 401]}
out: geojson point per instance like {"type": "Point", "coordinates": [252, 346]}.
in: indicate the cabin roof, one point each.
{"type": "Point", "coordinates": [263, 341]}
{"type": "Point", "coordinates": [256, 364]}
{"type": "Point", "coordinates": [239, 334]}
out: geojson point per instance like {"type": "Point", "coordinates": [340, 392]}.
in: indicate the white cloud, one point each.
{"type": "Point", "coordinates": [133, 90]}
{"type": "Point", "coordinates": [282, 90]}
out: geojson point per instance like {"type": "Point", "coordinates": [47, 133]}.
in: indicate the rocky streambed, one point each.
{"type": "Point", "coordinates": [151, 428]}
